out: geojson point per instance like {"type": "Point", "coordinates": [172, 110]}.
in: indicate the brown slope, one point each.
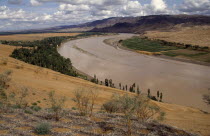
{"type": "Point", "coordinates": [41, 83]}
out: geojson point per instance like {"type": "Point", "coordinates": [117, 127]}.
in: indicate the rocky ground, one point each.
{"type": "Point", "coordinates": [18, 123]}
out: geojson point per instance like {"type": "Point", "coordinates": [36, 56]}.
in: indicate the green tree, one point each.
{"type": "Point", "coordinates": [148, 93]}
{"type": "Point", "coordinates": [161, 97]}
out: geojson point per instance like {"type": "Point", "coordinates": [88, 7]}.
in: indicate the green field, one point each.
{"type": "Point", "coordinates": [137, 43]}
{"type": "Point", "coordinates": [142, 44]}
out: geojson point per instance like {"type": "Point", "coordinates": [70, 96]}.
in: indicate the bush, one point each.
{"type": "Point", "coordinates": [28, 111]}
{"type": "Point", "coordinates": [144, 110]}
{"type": "Point", "coordinates": [3, 61]}
{"type": "Point", "coordinates": [42, 128]}
{"type": "Point", "coordinates": [5, 97]}
{"type": "Point", "coordinates": [110, 107]}
{"type": "Point", "coordinates": [85, 101]}
{"type": "Point", "coordinates": [206, 98]}
{"type": "Point", "coordinates": [132, 106]}
{"type": "Point", "coordinates": [36, 108]}
{"type": "Point", "coordinates": [56, 105]}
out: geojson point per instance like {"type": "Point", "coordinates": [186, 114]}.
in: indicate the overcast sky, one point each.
{"type": "Point", "coordinates": [30, 14]}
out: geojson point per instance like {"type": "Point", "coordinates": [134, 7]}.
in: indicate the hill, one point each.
{"type": "Point", "coordinates": [41, 81]}
{"type": "Point", "coordinates": [156, 22]}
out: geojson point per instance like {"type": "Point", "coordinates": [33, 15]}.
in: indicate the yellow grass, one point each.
{"type": "Point", "coordinates": [32, 37]}
{"type": "Point", "coordinates": [45, 80]}
{"type": "Point", "coordinates": [198, 35]}
{"type": "Point", "coordinates": [148, 53]}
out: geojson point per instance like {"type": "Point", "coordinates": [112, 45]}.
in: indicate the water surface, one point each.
{"type": "Point", "coordinates": [181, 83]}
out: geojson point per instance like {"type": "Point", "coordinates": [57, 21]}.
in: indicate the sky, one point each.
{"type": "Point", "coordinates": [35, 14]}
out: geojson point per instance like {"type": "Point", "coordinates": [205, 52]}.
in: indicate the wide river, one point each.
{"type": "Point", "coordinates": [181, 83]}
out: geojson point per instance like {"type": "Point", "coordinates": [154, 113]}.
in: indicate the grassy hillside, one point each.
{"type": "Point", "coordinates": [41, 81]}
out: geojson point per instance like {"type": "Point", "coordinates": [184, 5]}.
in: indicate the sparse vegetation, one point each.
{"type": "Point", "coordinates": [85, 101]}
{"type": "Point", "coordinates": [3, 61]}
{"type": "Point", "coordinates": [35, 108]}
{"type": "Point", "coordinates": [206, 98]}
{"type": "Point", "coordinates": [42, 128]}
{"type": "Point", "coordinates": [57, 104]}
{"type": "Point", "coordinates": [5, 96]}
{"type": "Point", "coordinates": [20, 97]}
{"type": "Point", "coordinates": [132, 106]}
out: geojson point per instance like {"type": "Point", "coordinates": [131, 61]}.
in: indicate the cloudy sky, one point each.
{"type": "Point", "coordinates": [33, 14]}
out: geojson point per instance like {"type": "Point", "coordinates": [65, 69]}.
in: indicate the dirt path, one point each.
{"type": "Point", "coordinates": [181, 83]}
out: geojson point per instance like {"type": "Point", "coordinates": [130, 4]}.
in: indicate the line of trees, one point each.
{"type": "Point", "coordinates": [133, 88]}
{"type": "Point", "coordinates": [44, 53]}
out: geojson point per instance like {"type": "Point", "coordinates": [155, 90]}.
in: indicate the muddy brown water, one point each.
{"type": "Point", "coordinates": [181, 83]}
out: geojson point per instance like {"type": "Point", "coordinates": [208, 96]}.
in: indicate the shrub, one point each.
{"type": "Point", "coordinates": [206, 98]}
{"type": "Point", "coordinates": [5, 97]}
{"type": "Point", "coordinates": [161, 117]}
{"type": "Point", "coordinates": [3, 61]}
{"type": "Point", "coordinates": [20, 97]}
{"type": "Point", "coordinates": [36, 108]}
{"type": "Point", "coordinates": [34, 103]}
{"type": "Point", "coordinates": [132, 106]}
{"type": "Point", "coordinates": [85, 101]}
{"type": "Point", "coordinates": [28, 111]}
{"type": "Point", "coordinates": [144, 110]}
{"type": "Point", "coordinates": [42, 128]}
{"type": "Point", "coordinates": [56, 104]}
{"type": "Point", "coordinates": [110, 107]}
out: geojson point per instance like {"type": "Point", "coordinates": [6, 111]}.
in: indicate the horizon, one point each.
{"type": "Point", "coordinates": [17, 15]}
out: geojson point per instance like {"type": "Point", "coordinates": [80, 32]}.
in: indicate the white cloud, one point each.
{"type": "Point", "coordinates": [35, 3]}
{"type": "Point", "coordinates": [71, 12]}
{"type": "Point", "coordinates": [158, 5]}
{"type": "Point", "coordinates": [195, 6]}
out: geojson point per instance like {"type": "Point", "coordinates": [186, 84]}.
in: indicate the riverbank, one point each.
{"type": "Point", "coordinates": [181, 83]}
{"type": "Point", "coordinates": [116, 44]}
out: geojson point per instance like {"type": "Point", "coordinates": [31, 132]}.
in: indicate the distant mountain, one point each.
{"type": "Point", "coordinates": [156, 22]}
{"type": "Point", "coordinates": [98, 24]}
{"type": "Point", "coordinates": [132, 24]}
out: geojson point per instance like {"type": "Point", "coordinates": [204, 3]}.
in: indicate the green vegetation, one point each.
{"type": "Point", "coordinates": [42, 128]}
{"type": "Point", "coordinates": [85, 101]}
{"type": "Point", "coordinates": [133, 107]}
{"type": "Point", "coordinates": [35, 108]}
{"type": "Point", "coordinates": [56, 105]}
{"type": "Point", "coordinates": [144, 44]}
{"type": "Point", "coordinates": [174, 54]}
{"type": "Point", "coordinates": [44, 53]}
{"type": "Point", "coordinates": [172, 49]}
{"type": "Point", "coordinates": [206, 98]}
{"type": "Point", "coordinates": [5, 97]}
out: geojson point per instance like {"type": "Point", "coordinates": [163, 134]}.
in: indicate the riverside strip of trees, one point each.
{"type": "Point", "coordinates": [44, 53]}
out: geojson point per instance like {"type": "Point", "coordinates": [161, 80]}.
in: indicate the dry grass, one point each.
{"type": "Point", "coordinates": [32, 37]}
{"type": "Point", "coordinates": [198, 35]}
{"type": "Point", "coordinates": [24, 124]}
{"type": "Point", "coordinates": [41, 84]}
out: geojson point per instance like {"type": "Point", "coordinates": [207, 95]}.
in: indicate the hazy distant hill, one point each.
{"type": "Point", "coordinates": [156, 22]}
{"type": "Point", "coordinates": [138, 24]}
{"type": "Point", "coordinates": [131, 24]}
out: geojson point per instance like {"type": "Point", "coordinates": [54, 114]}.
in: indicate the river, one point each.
{"type": "Point", "coordinates": [180, 82]}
